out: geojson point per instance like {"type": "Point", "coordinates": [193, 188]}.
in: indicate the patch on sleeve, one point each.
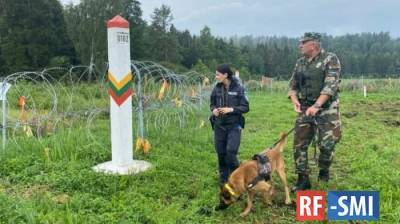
{"type": "Point", "coordinates": [334, 62]}
{"type": "Point", "coordinates": [232, 93]}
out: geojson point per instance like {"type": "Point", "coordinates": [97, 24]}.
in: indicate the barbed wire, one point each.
{"type": "Point", "coordinates": [43, 102]}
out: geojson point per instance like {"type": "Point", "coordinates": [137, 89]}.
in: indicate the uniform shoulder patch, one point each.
{"type": "Point", "coordinates": [331, 60]}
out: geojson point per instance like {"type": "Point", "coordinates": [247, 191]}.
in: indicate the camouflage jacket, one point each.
{"type": "Point", "coordinates": [312, 78]}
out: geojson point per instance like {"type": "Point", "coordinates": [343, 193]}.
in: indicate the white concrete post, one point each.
{"type": "Point", "coordinates": [362, 80]}
{"type": "Point", "coordinates": [271, 85]}
{"type": "Point", "coordinates": [365, 91]}
{"type": "Point", "coordinates": [4, 86]}
{"type": "Point", "coordinates": [120, 91]}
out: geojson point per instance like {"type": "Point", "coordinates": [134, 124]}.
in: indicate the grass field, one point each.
{"type": "Point", "coordinates": [57, 185]}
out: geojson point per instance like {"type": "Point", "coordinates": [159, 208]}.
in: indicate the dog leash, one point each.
{"type": "Point", "coordinates": [263, 164]}
{"type": "Point", "coordinates": [290, 131]}
{"type": "Point", "coordinates": [280, 139]}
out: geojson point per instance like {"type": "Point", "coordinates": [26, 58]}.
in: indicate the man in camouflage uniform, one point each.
{"type": "Point", "coordinates": [313, 90]}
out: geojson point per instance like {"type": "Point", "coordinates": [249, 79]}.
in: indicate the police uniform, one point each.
{"type": "Point", "coordinates": [310, 79]}
{"type": "Point", "coordinates": [227, 127]}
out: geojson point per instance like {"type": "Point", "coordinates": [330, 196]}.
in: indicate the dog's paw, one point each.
{"type": "Point", "coordinates": [244, 214]}
{"type": "Point", "coordinates": [269, 202]}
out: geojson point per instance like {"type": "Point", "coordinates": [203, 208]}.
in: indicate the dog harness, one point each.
{"type": "Point", "coordinates": [263, 169]}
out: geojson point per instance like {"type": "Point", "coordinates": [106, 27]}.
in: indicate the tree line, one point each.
{"type": "Point", "coordinates": [42, 33]}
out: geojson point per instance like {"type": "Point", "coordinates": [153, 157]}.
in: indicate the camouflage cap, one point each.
{"type": "Point", "coordinates": [311, 36]}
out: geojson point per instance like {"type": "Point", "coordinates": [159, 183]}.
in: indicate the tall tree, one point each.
{"type": "Point", "coordinates": [188, 49]}
{"type": "Point", "coordinates": [33, 33]}
{"type": "Point", "coordinates": [87, 28]}
{"type": "Point", "coordinates": [133, 13]}
{"type": "Point", "coordinates": [164, 43]}
{"type": "Point", "coordinates": [206, 46]}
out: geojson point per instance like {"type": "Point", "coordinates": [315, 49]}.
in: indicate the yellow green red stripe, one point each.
{"type": "Point", "coordinates": [121, 90]}
{"type": "Point", "coordinates": [122, 83]}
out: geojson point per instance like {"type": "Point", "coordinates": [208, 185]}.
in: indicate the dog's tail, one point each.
{"type": "Point", "coordinates": [282, 142]}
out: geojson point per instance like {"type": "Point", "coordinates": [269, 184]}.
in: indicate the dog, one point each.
{"type": "Point", "coordinates": [242, 180]}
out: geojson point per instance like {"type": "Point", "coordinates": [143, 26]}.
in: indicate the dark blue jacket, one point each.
{"type": "Point", "coordinates": [233, 97]}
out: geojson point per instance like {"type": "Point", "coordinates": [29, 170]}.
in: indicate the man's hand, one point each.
{"type": "Point", "coordinates": [297, 107]}
{"type": "Point", "coordinates": [225, 110]}
{"type": "Point", "coordinates": [215, 112]}
{"type": "Point", "coordinates": [312, 111]}
{"type": "Point", "coordinates": [296, 104]}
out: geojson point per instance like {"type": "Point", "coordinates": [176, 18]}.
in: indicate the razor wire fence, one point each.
{"type": "Point", "coordinates": [41, 103]}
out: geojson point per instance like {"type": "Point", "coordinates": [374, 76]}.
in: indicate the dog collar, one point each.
{"type": "Point", "coordinates": [231, 191]}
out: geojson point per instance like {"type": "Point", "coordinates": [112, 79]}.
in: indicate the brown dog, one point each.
{"type": "Point", "coordinates": [242, 179]}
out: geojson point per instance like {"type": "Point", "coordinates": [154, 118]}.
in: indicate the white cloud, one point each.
{"type": "Point", "coordinates": [65, 2]}
{"type": "Point", "coordinates": [277, 17]}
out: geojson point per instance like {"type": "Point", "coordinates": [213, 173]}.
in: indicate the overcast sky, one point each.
{"type": "Point", "coordinates": [280, 17]}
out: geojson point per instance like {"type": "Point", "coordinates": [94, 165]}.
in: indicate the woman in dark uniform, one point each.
{"type": "Point", "coordinates": [228, 103]}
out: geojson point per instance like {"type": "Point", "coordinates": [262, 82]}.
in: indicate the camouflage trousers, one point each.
{"type": "Point", "coordinates": [326, 126]}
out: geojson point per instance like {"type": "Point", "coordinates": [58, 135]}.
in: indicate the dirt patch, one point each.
{"type": "Point", "coordinates": [390, 107]}
{"type": "Point", "coordinates": [61, 198]}
{"type": "Point", "coordinates": [30, 191]}
{"type": "Point", "coordinates": [378, 106]}
{"type": "Point", "coordinates": [389, 111]}
{"type": "Point", "coordinates": [394, 123]}
{"type": "Point", "coordinates": [350, 114]}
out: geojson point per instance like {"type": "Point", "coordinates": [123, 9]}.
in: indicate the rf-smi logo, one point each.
{"type": "Point", "coordinates": [342, 205]}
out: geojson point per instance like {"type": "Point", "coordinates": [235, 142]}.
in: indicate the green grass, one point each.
{"type": "Point", "coordinates": [182, 185]}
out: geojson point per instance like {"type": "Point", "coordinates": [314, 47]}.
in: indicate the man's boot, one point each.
{"type": "Point", "coordinates": [303, 183]}
{"type": "Point", "coordinates": [323, 175]}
